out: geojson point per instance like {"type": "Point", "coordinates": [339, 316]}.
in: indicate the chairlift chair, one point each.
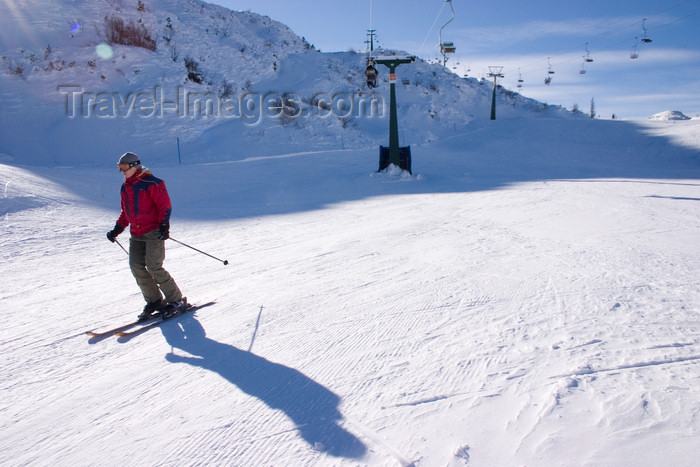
{"type": "Point", "coordinates": [371, 74]}
{"type": "Point", "coordinates": [550, 72]}
{"type": "Point", "coordinates": [446, 47]}
{"type": "Point", "coordinates": [588, 54]}
{"type": "Point", "coordinates": [634, 54]}
{"type": "Point", "coordinates": [645, 39]}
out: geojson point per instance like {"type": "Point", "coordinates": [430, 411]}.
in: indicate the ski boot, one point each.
{"type": "Point", "coordinates": [173, 309]}
{"type": "Point", "coordinates": [151, 310]}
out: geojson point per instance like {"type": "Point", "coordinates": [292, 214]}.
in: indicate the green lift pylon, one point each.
{"type": "Point", "coordinates": [400, 157]}
{"type": "Point", "coordinates": [495, 73]}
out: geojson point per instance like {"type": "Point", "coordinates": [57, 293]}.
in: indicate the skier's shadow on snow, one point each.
{"type": "Point", "coordinates": [312, 407]}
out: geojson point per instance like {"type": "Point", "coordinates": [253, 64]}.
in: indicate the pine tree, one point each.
{"type": "Point", "coordinates": [592, 108]}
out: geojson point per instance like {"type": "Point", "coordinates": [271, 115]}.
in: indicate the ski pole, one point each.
{"type": "Point", "coordinates": [120, 246]}
{"type": "Point", "coordinates": [225, 261]}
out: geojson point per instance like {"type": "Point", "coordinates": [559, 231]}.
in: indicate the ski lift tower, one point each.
{"type": "Point", "coordinates": [495, 73]}
{"type": "Point", "coordinates": [400, 157]}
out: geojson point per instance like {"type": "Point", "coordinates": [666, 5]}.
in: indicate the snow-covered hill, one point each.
{"type": "Point", "coordinates": [529, 296]}
{"type": "Point", "coordinates": [669, 115]}
{"type": "Point", "coordinates": [215, 81]}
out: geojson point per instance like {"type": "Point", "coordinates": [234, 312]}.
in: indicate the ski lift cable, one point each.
{"type": "Point", "coordinates": [664, 26]}
{"type": "Point", "coordinates": [565, 57]}
{"type": "Point", "coordinates": [369, 54]}
{"type": "Point", "coordinates": [561, 57]}
{"type": "Point", "coordinates": [534, 67]}
{"type": "Point", "coordinates": [569, 56]}
{"type": "Point", "coordinates": [626, 40]}
{"type": "Point", "coordinates": [669, 8]}
{"type": "Point", "coordinates": [431, 29]}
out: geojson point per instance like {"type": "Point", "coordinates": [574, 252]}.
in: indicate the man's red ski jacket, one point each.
{"type": "Point", "coordinates": [145, 203]}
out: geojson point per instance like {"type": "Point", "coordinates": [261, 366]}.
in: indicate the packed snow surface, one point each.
{"type": "Point", "coordinates": [529, 296]}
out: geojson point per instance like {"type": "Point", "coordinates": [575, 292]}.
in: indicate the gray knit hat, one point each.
{"type": "Point", "coordinates": [129, 158]}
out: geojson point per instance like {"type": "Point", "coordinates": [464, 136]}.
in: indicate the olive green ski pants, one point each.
{"type": "Point", "coordinates": [146, 256]}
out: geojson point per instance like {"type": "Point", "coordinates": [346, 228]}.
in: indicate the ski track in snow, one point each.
{"type": "Point", "coordinates": [538, 323]}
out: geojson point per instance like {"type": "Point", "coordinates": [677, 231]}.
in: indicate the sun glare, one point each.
{"type": "Point", "coordinates": [19, 27]}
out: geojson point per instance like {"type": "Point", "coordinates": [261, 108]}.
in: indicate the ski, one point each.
{"type": "Point", "coordinates": [99, 335]}
{"type": "Point", "coordinates": [126, 334]}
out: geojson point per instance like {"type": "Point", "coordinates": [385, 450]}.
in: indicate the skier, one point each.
{"type": "Point", "coordinates": [145, 205]}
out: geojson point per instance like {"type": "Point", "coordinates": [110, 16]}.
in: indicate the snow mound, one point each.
{"type": "Point", "coordinates": [669, 115]}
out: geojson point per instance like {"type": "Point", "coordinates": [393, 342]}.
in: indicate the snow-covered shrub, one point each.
{"type": "Point", "coordinates": [119, 31]}
{"type": "Point", "coordinates": [193, 73]}
{"type": "Point", "coordinates": [16, 70]}
{"type": "Point", "coordinates": [225, 90]}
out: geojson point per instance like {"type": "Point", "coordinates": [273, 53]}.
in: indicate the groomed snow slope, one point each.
{"type": "Point", "coordinates": [529, 296]}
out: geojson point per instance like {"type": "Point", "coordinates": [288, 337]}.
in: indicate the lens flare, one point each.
{"type": "Point", "coordinates": [104, 51]}
{"type": "Point", "coordinates": [76, 27]}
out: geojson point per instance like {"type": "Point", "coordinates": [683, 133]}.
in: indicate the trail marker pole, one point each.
{"type": "Point", "coordinates": [179, 158]}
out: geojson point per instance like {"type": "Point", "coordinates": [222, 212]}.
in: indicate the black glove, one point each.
{"type": "Point", "coordinates": [163, 231]}
{"type": "Point", "coordinates": [112, 234]}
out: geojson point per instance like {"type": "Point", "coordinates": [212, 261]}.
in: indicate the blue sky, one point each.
{"type": "Point", "coordinates": [525, 37]}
